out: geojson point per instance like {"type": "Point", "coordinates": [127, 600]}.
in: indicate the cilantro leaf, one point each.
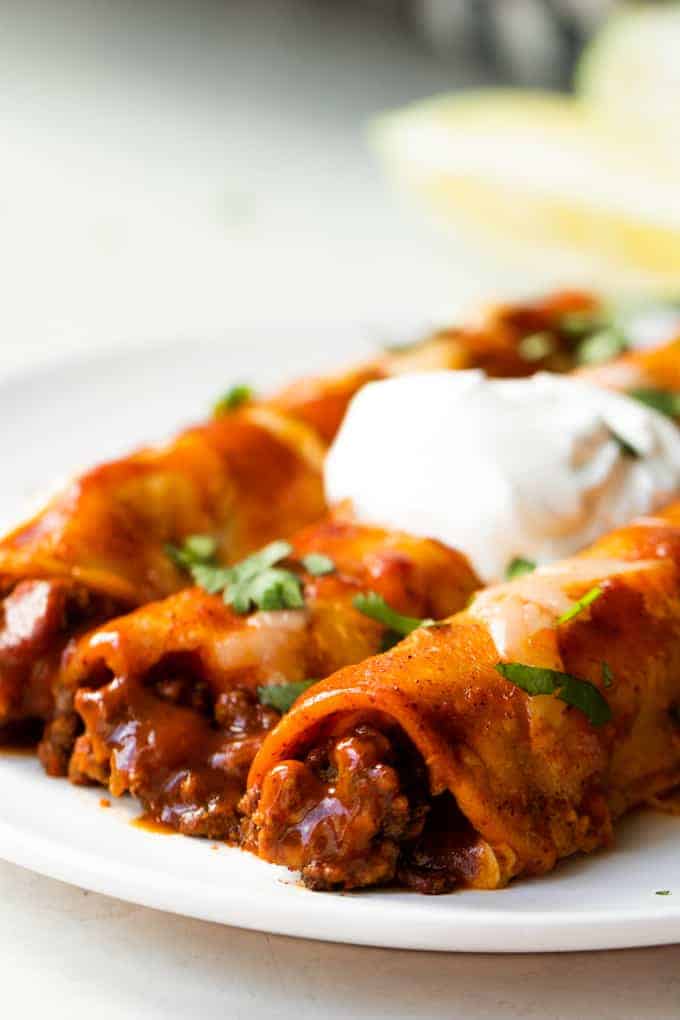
{"type": "Point", "coordinates": [581, 324]}
{"type": "Point", "coordinates": [604, 333]}
{"type": "Point", "coordinates": [266, 557]}
{"type": "Point", "coordinates": [201, 547]}
{"type": "Point", "coordinates": [371, 604]}
{"type": "Point", "coordinates": [602, 345]}
{"type": "Point", "coordinates": [662, 892]}
{"type": "Point", "coordinates": [317, 564]}
{"type": "Point", "coordinates": [581, 694]}
{"type": "Point", "coordinates": [210, 577]}
{"type": "Point", "coordinates": [580, 604]}
{"type": "Point", "coordinates": [254, 582]}
{"type": "Point", "coordinates": [282, 696]}
{"type": "Point", "coordinates": [665, 401]}
{"type": "Point", "coordinates": [194, 549]}
{"type": "Point", "coordinates": [536, 346]}
{"type": "Point", "coordinates": [585, 696]}
{"type": "Point", "coordinates": [234, 398]}
{"type": "Point", "coordinates": [272, 588]}
{"type": "Point", "coordinates": [518, 567]}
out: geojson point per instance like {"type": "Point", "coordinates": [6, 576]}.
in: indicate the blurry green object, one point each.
{"type": "Point", "coordinates": [630, 72]}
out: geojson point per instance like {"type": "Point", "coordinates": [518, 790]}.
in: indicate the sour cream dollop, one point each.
{"type": "Point", "coordinates": [502, 468]}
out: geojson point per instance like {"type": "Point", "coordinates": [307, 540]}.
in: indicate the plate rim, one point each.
{"type": "Point", "coordinates": [490, 931]}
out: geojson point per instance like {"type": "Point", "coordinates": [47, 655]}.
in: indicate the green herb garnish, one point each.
{"type": "Point", "coordinates": [665, 401]}
{"type": "Point", "coordinates": [232, 399]}
{"type": "Point", "coordinates": [371, 604]}
{"type": "Point", "coordinates": [273, 588]}
{"type": "Point", "coordinates": [194, 550]}
{"type": "Point", "coordinates": [580, 605]}
{"type": "Point", "coordinates": [282, 696]}
{"type": "Point", "coordinates": [662, 892]}
{"type": "Point", "coordinates": [604, 333]}
{"type": "Point", "coordinates": [535, 680]}
{"type": "Point", "coordinates": [256, 581]}
{"type": "Point", "coordinates": [317, 565]}
{"type": "Point", "coordinates": [580, 324]}
{"type": "Point", "coordinates": [518, 567]}
{"type": "Point", "coordinates": [601, 346]}
{"type": "Point", "coordinates": [536, 346]}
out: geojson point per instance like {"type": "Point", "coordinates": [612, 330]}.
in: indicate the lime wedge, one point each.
{"type": "Point", "coordinates": [630, 72]}
{"type": "Point", "coordinates": [537, 171]}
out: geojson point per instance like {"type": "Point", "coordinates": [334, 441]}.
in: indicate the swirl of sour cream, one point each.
{"type": "Point", "coordinates": [502, 468]}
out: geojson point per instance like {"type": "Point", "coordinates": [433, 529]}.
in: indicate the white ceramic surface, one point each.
{"type": "Point", "coordinates": [54, 420]}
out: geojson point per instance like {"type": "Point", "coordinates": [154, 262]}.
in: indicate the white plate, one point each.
{"type": "Point", "coordinates": [58, 418]}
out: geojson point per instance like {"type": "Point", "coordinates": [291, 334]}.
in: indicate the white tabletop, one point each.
{"type": "Point", "coordinates": [76, 954]}
{"type": "Point", "coordinates": [169, 168]}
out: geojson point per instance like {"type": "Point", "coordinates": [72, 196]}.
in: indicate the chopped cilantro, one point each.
{"type": "Point", "coordinates": [317, 564]}
{"type": "Point", "coordinates": [580, 604]}
{"type": "Point", "coordinates": [518, 567]}
{"type": "Point", "coordinates": [256, 581]}
{"type": "Point", "coordinates": [272, 588]}
{"type": "Point", "coordinates": [601, 334]}
{"type": "Point", "coordinates": [210, 577]}
{"type": "Point", "coordinates": [580, 324]}
{"type": "Point", "coordinates": [535, 680]}
{"type": "Point", "coordinates": [374, 605]}
{"type": "Point", "coordinates": [282, 696]}
{"type": "Point", "coordinates": [195, 549]}
{"type": "Point", "coordinates": [601, 346]}
{"type": "Point", "coordinates": [536, 346]}
{"type": "Point", "coordinates": [232, 399]}
{"type": "Point", "coordinates": [665, 401]}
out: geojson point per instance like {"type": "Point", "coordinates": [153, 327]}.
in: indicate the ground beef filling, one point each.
{"type": "Point", "coordinates": [357, 812]}
{"type": "Point", "coordinates": [341, 816]}
{"type": "Point", "coordinates": [448, 853]}
{"type": "Point", "coordinates": [37, 618]}
{"type": "Point", "coordinates": [164, 740]}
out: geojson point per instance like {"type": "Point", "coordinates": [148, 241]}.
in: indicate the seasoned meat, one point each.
{"type": "Point", "coordinates": [339, 817]}
{"type": "Point", "coordinates": [185, 759]}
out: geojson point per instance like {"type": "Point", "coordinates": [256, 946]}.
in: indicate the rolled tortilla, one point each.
{"type": "Point", "coordinates": [166, 696]}
{"type": "Point", "coordinates": [100, 546]}
{"type": "Point", "coordinates": [427, 766]}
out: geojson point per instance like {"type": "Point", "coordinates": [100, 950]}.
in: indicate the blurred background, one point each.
{"type": "Point", "coordinates": [172, 169]}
